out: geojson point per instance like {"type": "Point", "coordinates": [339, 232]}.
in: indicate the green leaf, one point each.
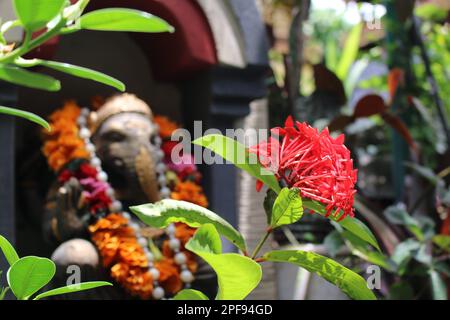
{"type": "Point", "coordinates": [36, 14]}
{"type": "Point", "coordinates": [287, 208]}
{"type": "Point", "coordinates": [442, 241]}
{"type": "Point", "coordinates": [84, 73]}
{"type": "Point", "coordinates": [352, 284]}
{"type": "Point", "coordinates": [3, 293]}
{"type": "Point", "coordinates": [237, 275]}
{"type": "Point", "coordinates": [73, 288]}
{"type": "Point", "coordinates": [404, 252]}
{"type": "Point", "coordinates": [122, 19]}
{"type": "Point", "coordinates": [29, 79]}
{"type": "Point", "coordinates": [438, 287]}
{"type": "Point", "coordinates": [26, 115]}
{"type": "Point", "coordinates": [350, 51]}
{"type": "Point", "coordinates": [164, 212]}
{"type": "Point", "coordinates": [333, 242]}
{"type": "Point", "coordinates": [269, 200]}
{"type": "Point", "coordinates": [190, 294]}
{"type": "Point", "coordinates": [396, 215]}
{"type": "Point", "coordinates": [353, 225]}
{"type": "Point", "coordinates": [238, 154]}
{"type": "Point", "coordinates": [29, 274]}
{"type": "Point", "coordinates": [8, 250]}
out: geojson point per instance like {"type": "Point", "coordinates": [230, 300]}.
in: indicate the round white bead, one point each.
{"type": "Point", "coordinates": [155, 273]}
{"type": "Point", "coordinates": [174, 243]}
{"type": "Point", "coordinates": [160, 154]}
{"type": "Point", "coordinates": [126, 215]}
{"type": "Point", "coordinates": [85, 133]}
{"type": "Point", "coordinates": [134, 226]}
{"type": "Point", "coordinates": [150, 257]}
{"type": "Point", "coordinates": [110, 192]}
{"type": "Point", "coordinates": [165, 192]}
{"type": "Point", "coordinates": [162, 179]}
{"type": "Point", "coordinates": [171, 229]}
{"type": "Point", "coordinates": [142, 242]}
{"type": "Point", "coordinates": [180, 258]}
{"type": "Point", "coordinates": [186, 276]}
{"type": "Point", "coordinates": [95, 161]}
{"type": "Point", "coordinates": [90, 147]}
{"type": "Point", "coordinates": [102, 176]}
{"type": "Point", "coordinates": [85, 112]}
{"type": "Point", "coordinates": [158, 140]}
{"type": "Point", "coordinates": [81, 121]}
{"type": "Point", "coordinates": [115, 206]}
{"type": "Point", "coordinates": [158, 293]}
{"type": "Point", "coordinates": [160, 167]}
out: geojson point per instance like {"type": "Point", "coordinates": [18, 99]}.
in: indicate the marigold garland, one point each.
{"type": "Point", "coordinates": [115, 239]}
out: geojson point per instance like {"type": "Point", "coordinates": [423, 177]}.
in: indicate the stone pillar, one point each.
{"type": "Point", "coordinates": [252, 218]}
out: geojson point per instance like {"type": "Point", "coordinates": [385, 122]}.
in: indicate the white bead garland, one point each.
{"type": "Point", "coordinates": [116, 206]}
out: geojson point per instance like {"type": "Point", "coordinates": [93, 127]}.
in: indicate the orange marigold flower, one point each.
{"type": "Point", "coordinates": [191, 192]}
{"type": "Point", "coordinates": [166, 127]}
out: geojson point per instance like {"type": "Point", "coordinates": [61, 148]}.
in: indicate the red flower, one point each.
{"type": "Point", "coordinates": [314, 162]}
{"type": "Point", "coordinates": [85, 170]}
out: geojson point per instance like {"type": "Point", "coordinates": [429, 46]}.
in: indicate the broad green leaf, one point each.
{"type": "Point", "coordinates": [26, 115]}
{"type": "Point", "coordinates": [287, 208]}
{"type": "Point", "coordinates": [236, 153]}
{"type": "Point", "coordinates": [404, 252]}
{"type": "Point", "coordinates": [442, 241]}
{"type": "Point", "coordinates": [399, 216]}
{"type": "Point", "coordinates": [164, 212]}
{"type": "Point", "coordinates": [122, 19]}
{"type": "Point", "coordinates": [351, 283]}
{"type": "Point", "coordinates": [8, 250]}
{"type": "Point", "coordinates": [438, 286]}
{"type": "Point", "coordinates": [190, 294]}
{"type": "Point", "coordinates": [29, 79]}
{"type": "Point", "coordinates": [73, 288]}
{"type": "Point", "coordinates": [237, 275]}
{"type": "Point", "coordinates": [35, 14]}
{"type": "Point", "coordinates": [353, 225]}
{"type": "Point", "coordinates": [350, 51]}
{"type": "Point", "coordinates": [84, 73]}
{"type": "Point", "coordinates": [333, 242]}
{"type": "Point", "coordinates": [29, 274]}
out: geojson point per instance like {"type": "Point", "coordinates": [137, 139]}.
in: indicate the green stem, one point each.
{"type": "Point", "coordinates": [261, 243]}
{"type": "Point", "coordinates": [34, 43]}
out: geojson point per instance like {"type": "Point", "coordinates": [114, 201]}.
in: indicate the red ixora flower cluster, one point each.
{"type": "Point", "coordinates": [312, 161]}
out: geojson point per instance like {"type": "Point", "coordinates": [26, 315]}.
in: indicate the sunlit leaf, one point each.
{"type": "Point", "coordinates": [237, 275]}
{"type": "Point", "coordinates": [84, 73]}
{"type": "Point", "coordinates": [26, 115]}
{"type": "Point", "coordinates": [438, 286]}
{"type": "Point", "coordinates": [352, 284]}
{"type": "Point", "coordinates": [442, 241]}
{"type": "Point", "coordinates": [287, 208]}
{"type": "Point", "coordinates": [35, 14]}
{"type": "Point", "coordinates": [167, 211]}
{"type": "Point", "coordinates": [73, 288]}
{"type": "Point", "coordinates": [29, 274]}
{"type": "Point", "coordinates": [353, 225]}
{"type": "Point", "coordinates": [190, 294]}
{"type": "Point", "coordinates": [8, 250]}
{"type": "Point", "coordinates": [350, 51]}
{"type": "Point", "coordinates": [237, 154]}
{"type": "Point", "coordinates": [122, 19]}
{"type": "Point", "coordinates": [29, 79]}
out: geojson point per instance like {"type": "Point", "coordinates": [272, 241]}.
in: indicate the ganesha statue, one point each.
{"type": "Point", "coordinates": [105, 161]}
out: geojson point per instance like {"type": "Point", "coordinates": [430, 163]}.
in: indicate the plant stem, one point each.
{"type": "Point", "coordinates": [261, 242]}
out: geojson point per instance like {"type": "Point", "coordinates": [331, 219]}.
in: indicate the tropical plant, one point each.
{"type": "Point", "coordinates": [27, 275]}
{"type": "Point", "coordinates": [239, 273]}
{"type": "Point", "coordinates": [42, 20]}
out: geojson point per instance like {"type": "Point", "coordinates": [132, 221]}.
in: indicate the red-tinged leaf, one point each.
{"type": "Point", "coordinates": [369, 105]}
{"type": "Point", "coordinates": [395, 79]}
{"type": "Point", "coordinates": [326, 80]}
{"type": "Point", "coordinates": [340, 122]}
{"type": "Point", "coordinates": [397, 124]}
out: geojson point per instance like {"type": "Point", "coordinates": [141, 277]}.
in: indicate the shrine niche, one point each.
{"type": "Point", "coordinates": [181, 78]}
